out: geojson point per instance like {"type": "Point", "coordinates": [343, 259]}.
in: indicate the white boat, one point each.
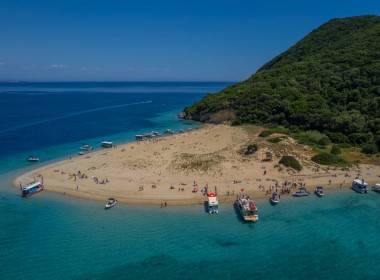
{"type": "Point", "coordinates": [81, 153]}
{"type": "Point", "coordinates": [86, 148]}
{"type": "Point", "coordinates": [32, 188]}
{"type": "Point", "coordinates": [359, 186]}
{"type": "Point", "coordinates": [139, 137]}
{"type": "Point", "coordinates": [111, 203]}
{"type": "Point", "coordinates": [32, 159]}
{"type": "Point", "coordinates": [376, 188]}
{"type": "Point", "coordinates": [275, 198]}
{"type": "Point", "coordinates": [106, 144]}
{"type": "Point", "coordinates": [247, 208]}
{"type": "Point", "coordinates": [301, 192]}
{"type": "Point", "coordinates": [213, 205]}
{"type": "Point", "coordinates": [319, 191]}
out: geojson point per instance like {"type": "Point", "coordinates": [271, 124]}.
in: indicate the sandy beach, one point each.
{"type": "Point", "coordinates": [178, 168]}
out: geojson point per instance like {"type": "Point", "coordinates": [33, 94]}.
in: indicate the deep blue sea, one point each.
{"type": "Point", "coordinates": [52, 236]}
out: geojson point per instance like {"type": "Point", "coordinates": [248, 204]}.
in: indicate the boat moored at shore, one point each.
{"type": "Point", "coordinates": [359, 186]}
{"type": "Point", "coordinates": [275, 198]}
{"type": "Point", "coordinates": [212, 203]}
{"type": "Point", "coordinates": [247, 208]}
{"type": "Point", "coordinates": [32, 188]}
{"type": "Point", "coordinates": [376, 188]}
{"type": "Point", "coordinates": [111, 203]}
{"type": "Point", "coordinates": [319, 191]}
{"type": "Point", "coordinates": [301, 192]}
{"type": "Point", "coordinates": [86, 148]}
{"type": "Point", "coordinates": [106, 144]}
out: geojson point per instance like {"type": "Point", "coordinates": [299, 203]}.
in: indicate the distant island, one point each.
{"type": "Point", "coordinates": [328, 82]}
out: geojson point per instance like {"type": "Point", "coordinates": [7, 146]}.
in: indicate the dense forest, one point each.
{"type": "Point", "coordinates": [327, 82]}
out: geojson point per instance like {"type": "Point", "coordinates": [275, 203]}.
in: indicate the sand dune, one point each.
{"type": "Point", "coordinates": [213, 156]}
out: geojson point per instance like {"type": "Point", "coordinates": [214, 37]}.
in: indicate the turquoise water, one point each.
{"type": "Point", "coordinates": [53, 236]}
{"type": "Point", "coordinates": [56, 237]}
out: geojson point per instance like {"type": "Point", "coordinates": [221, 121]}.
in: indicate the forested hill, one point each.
{"type": "Point", "coordinates": [329, 81]}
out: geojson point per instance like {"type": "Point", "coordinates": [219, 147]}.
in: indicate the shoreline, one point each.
{"type": "Point", "coordinates": [143, 172]}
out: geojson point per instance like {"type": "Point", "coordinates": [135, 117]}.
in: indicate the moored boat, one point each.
{"type": "Point", "coordinates": [32, 188]}
{"type": "Point", "coordinates": [111, 203]}
{"type": "Point", "coordinates": [275, 198]}
{"type": "Point", "coordinates": [301, 192]}
{"type": "Point", "coordinates": [32, 159]}
{"type": "Point", "coordinates": [247, 208]}
{"type": "Point", "coordinates": [140, 137]}
{"type": "Point", "coordinates": [212, 203]}
{"type": "Point", "coordinates": [359, 186]}
{"type": "Point", "coordinates": [86, 147]}
{"type": "Point", "coordinates": [319, 191]}
{"type": "Point", "coordinates": [376, 188]}
{"type": "Point", "coordinates": [106, 144]}
{"type": "Point", "coordinates": [169, 131]}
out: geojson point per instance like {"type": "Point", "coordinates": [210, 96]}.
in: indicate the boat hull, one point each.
{"type": "Point", "coordinates": [30, 194]}
{"type": "Point", "coordinates": [300, 195]}
{"type": "Point", "coordinates": [358, 190]}
{"type": "Point", "coordinates": [274, 202]}
{"type": "Point", "coordinates": [109, 206]}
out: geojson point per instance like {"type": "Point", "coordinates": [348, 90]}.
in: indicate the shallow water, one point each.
{"type": "Point", "coordinates": [53, 236]}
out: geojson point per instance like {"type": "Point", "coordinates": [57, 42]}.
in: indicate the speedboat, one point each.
{"type": "Point", "coordinates": [301, 192]}
{"type": "Point", "coordinates": [32, 159]}
{"type": "Point", "coordinates": [86, 148]}
{"type": "Point", "coordinates": [111, 203]}
{"type": "Point", "coordinates": [376, 188]}
{"type": "Point", "coordinates": [275, 198]}
{"type": "Point", "coordinates": [359, 186]}
{"type": "Point", "coordinates": [319, 191]}
{"type": "Point", "coordinates": [81, 153]}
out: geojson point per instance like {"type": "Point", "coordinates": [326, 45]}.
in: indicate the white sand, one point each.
{"type": "Point", "coordinates": [211, 156]}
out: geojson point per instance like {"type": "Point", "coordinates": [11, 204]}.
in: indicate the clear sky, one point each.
{"type": "Point", "coordinates": [155, 40]}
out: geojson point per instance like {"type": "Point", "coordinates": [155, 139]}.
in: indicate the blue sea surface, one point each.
{"type": "Point", "coordinates": [53, 236]}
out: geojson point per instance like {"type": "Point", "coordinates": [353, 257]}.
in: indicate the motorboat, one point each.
{"type": "Point", "coordinates": [212, 202]}
{"type": "Point", "coordinates": [86, 148]}
{"type": "Point", "coordinates": [81, 153]}
{"type": "Point", "coordinates": [140, 137]}
{"type": "Point", "coordinates": [301, 192]}
{"type": "Point", "coordinates": [32, 188]}
{"type": "Point", "coordinates": [319, 191]}
{"type": "Point", "coordinates": [32, 159]}
{"type": "Point", "coordinates": [106, 144]}
{"type": "Point", "coordinates": [376, 188]}
{"type": "Point", "coordinates": [275, 198]}
{"type": "Point", "coordinates": [247, 208]}
{"type": "Point", "coordinates": [111, 203]}
{"type": "Point", "coordinates": [359, 186]}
